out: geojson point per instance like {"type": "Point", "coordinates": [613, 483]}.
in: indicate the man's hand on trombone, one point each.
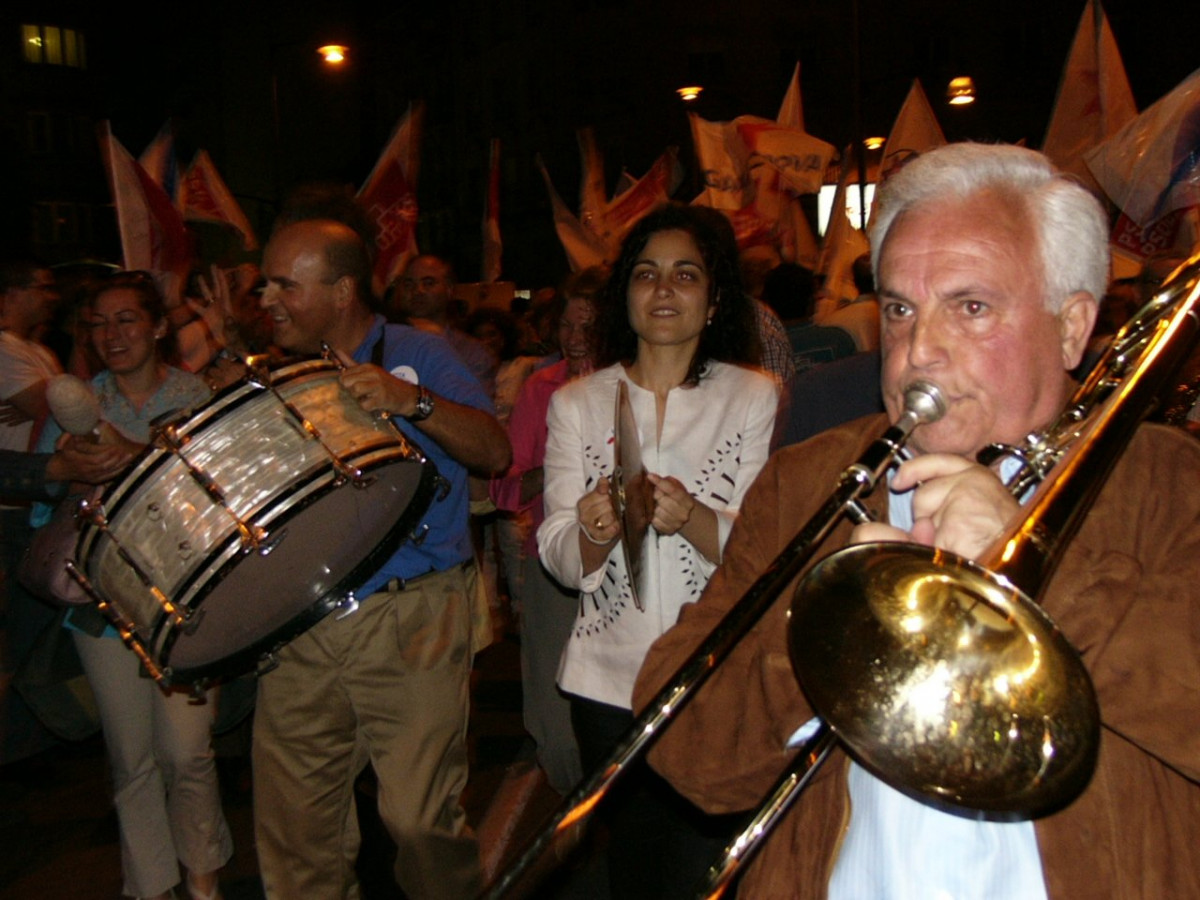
{"type": "Point", "coordinates": [958, 505]}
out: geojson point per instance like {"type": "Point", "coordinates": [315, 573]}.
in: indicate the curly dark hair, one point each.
{"type": "Point", "coordinates": [732, 335]}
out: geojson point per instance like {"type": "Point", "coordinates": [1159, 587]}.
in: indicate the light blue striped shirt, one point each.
{"type": "Point", "coordinates": [896, 848]}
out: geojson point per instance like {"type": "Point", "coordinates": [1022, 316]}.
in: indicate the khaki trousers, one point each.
{"type": "Point", "coordinates": [163, 770]}
{"type": "Point", "coordinates": [386, 684]}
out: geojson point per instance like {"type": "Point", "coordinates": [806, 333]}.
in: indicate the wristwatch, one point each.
{"type": "Point", "coordinates": [424, 405]}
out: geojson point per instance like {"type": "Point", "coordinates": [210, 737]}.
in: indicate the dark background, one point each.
{"type": "Point", "coordinates": [529, 72]}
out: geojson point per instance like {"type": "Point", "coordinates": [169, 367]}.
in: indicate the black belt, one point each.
{"type": "Point", "coordinates": [393, 585]}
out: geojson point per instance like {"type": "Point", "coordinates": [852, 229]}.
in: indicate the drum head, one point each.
{"type": "Point", "coordinates": [319, 552]}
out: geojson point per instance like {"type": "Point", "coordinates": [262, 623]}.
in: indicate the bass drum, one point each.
{"type": "Point", "coordinates": [249, 521]}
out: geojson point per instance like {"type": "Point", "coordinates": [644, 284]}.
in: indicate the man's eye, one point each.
{"type": "Point", "coordinates": [974, 307]}
{"type": "Point", "coordinates": [895, 310]}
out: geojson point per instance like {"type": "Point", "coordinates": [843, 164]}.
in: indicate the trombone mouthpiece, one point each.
{"type": "Point", "coordinates": [923, 401]}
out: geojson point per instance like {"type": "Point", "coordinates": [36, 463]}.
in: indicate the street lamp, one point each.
{"type": "Point", "coordinates": [333, 54]}
{"type": "Point", "coordinates": [690, 93]}
{"type": "Point", "coordinates": [961, 91]}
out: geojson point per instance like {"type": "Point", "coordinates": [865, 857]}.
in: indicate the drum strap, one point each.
{"type": "Point", "coordinates": [377, 350]}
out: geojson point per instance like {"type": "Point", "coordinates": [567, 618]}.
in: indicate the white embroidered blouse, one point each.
{"type": "Point", "coordinates": [715, 439]}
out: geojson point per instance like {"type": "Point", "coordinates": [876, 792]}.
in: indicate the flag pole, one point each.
{"type": "Point", "coordinates": [859, 137]}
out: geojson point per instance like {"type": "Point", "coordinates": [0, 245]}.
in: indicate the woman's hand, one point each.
{"type": "Point", "coordinates": [597, 516]}
{"type": "Point", "coordinates": [673, 505]}
{"type": "Point", "coordinates": [678, 512]}
{"type": "Point", "coordinates": [598, 526]}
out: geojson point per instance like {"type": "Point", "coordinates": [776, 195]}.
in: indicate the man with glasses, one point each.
{"type": "Point", "coordinates": [28, 298]}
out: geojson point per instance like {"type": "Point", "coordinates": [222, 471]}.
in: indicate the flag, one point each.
{"type": "Point", "coordinates": [491, 217]}
{"type": "Point", "coordinates": [749, 228]}
{"type": "Point", "coordinates": [153, 236]}
{"type": "Point", "coordinates": [722, 165]}
{"type": "Point", "coordinates": [798, 157]}
{"type": "Point", "coordinates": [582, 247]}
{"type": "Point", "coordinates": [207, 199]}
{"type": "Point", "coordinates": [1151, 167]}
{"type": "Point", "coordinates": [648, 193]}
{"type": "Point", "coordinates": [915, 131]}
{"type": "Point", "coordinates": [843, 242]}
{"type": "Point", "coordinates": [593, 197]}
{"type": "Point", "coordinates": [791, 111]}
{"type": "Point", "coordinates": [389, 195]}
{"type": "Point", "coordinates": [1094, 100]}
{"type": "Point", "coordinates": [1135, 245]}
{"type": "Point", "coordinates": [159, 162]}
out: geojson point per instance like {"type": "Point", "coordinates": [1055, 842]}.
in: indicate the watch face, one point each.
{"type": "Point", "coordinates": [424, 404]}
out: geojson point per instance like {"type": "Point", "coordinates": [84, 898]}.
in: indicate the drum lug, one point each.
{"type": "Point", "coordinates": [443, 487]}
{"type": "Point", "coordinates": [347, 606]}
{"type": "Point", "coordinates": [192, 621]}
{"type": "Point", "coordinates": [418, 537]}
{"type": "Point", "coordinates": [265, 548]}
{"type": "Point", "coordinates": [266, 663]}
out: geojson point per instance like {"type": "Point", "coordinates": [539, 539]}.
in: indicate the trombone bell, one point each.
{"type": "Point", "coordinates": [945, 681]}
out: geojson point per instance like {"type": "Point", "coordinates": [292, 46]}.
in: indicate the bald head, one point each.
{"type": "Point", "coordinates": [318, 285]}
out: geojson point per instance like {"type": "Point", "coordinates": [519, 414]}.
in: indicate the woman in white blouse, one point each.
{"type": "Point", "coordinates": [675, 326]}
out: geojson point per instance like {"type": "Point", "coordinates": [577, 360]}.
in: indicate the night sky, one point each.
{"type": "Point", "coordinates": [532, 71]}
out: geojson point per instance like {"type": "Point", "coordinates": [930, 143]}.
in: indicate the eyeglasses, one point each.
{"type": "Point", "coordinates": [129, 278]}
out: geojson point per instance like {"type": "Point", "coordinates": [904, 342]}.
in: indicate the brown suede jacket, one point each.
{"type": "Point", "coordinates": [1126, 594]}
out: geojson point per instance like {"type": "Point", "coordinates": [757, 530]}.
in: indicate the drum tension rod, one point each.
{"type": "Point", "coordinates": [94, 514]}
{"type": "Point", "coordinates": [168, 438]}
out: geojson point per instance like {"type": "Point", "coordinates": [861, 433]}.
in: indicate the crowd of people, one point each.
{"type": "Point", "coordinates": [749, 391]}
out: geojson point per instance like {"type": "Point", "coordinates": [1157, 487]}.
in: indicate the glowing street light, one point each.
{"type": "Point", "coordinates": [333, 54]}
{"type": "Point", "coordinates": [690, 93]}
{"type": "Point", "coordinates": [961, 91]}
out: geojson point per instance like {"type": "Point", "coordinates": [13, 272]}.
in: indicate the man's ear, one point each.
{"type": "Point", "coordinates": [1075, 322]}
{"type": "Point", "coordinates": [343, 292]}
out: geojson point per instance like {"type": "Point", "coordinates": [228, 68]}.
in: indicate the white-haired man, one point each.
{"type": "Point", "coordinates": [989, 268]}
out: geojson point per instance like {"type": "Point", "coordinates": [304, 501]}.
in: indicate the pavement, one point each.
{"type": "Point", "coordinates": [59, 831]}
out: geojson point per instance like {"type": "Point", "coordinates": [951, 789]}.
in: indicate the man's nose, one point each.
{"type": "Point", "coordinates": [927, 341]}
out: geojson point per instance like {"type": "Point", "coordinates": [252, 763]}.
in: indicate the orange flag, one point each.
{"type": "Point", "coordinates": [791, 110]}
{"type": "Point", "coordinates": [206, 198]}
{"type": "Point", "coordinates": [153, 236]}
{"type": "Point", "coordinates": [581, 245]}
{"type": "Point", "coordinates": [915, 131]}
{"type": "Point", "coordinates": [1094, 100]}
{"type": "Point", "coordinates": [389, 196]}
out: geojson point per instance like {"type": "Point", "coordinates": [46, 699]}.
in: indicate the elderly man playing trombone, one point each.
{"type": "Point", "coordinates": [989, 268]}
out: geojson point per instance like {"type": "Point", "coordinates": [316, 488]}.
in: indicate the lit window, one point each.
{"type": "Point", "coordinates": [53, 45]}
{"type": "Point", "coordinates": [31, 40]}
